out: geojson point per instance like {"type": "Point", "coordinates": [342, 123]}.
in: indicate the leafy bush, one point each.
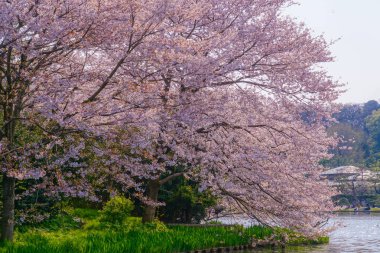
{"type": "Point", "coordinates": [214, 222]}
{"type": "Point", "coordinates": [373, 200]}
{"type": "Point", "coordinates": [343, 202]}
{"type": "Point", "coordinates": [155, 226]}
{"type": "Point", "coordinates": [116, 210]}
{"type": "Point", "coordinates": [84, 213]}
{"type": "Point", "coordinates": [184, 202]}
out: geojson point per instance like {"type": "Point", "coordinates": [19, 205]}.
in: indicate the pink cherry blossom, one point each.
{"type": "Point", "coordinates": [218, 87]}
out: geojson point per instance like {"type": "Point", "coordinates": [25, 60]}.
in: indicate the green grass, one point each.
{"type": "Point", "coordinates": [296, 239]}
{"type": "Point", "coordinates": [81, 231]}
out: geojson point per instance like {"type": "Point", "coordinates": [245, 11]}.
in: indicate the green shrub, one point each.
{"type": "Point", "coordinates": [214, 222]}
{"type": "Point", "coordinates": [155, 226]}
{"type": "Point", "coordinates": [84, 213]}
{"type": "Point", "coordinates": [184, 202]}
{"type": "Point", "coordinates": [343, 202]}
{"type": "Point", "coordinates": [116, 210]}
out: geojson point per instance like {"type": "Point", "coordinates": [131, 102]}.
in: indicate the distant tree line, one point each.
{"type": "Point", "coordinates": [358, 130]}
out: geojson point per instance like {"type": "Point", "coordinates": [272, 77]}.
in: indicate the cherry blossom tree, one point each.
{"type": "Point", "coordinates": [35, 37]}
{"type": "Point", "coordinates": [56, 57]}
{"type": "Point", "coordinates": [222, 88]}
{"type": "Point", "coordinates": [218, 87]}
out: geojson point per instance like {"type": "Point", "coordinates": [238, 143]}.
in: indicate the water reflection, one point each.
{"type": "Point", "coordinates": [357, 233]}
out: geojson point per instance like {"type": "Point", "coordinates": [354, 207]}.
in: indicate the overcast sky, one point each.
{"type": "Point", "coordinates": [357, 24]}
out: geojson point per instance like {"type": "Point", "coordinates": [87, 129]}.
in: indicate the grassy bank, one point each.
{"type": "Point", "coordinates": [81, 231]}
{"type": "Point", "coordinates": [362, 209]}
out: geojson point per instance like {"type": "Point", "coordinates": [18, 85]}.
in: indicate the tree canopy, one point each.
{"type": "Point", "coordinates": [216, 87]}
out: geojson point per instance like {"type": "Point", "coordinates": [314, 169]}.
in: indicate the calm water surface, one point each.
{"type": "Point", "coordinates": [359, 233]}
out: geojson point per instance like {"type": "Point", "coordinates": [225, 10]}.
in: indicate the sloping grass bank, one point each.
{"type": "Point", "coordinates": [352, 210]}
{"type": "Point", "coordinates": [85, 233]}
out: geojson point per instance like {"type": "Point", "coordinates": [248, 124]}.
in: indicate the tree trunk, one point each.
{"type": "Point", "coordinates": [12, 105]}
{"type": "Point", "coordinates": [8, 214]}
{"type": "Point", "coordinates": [9, 183]}
{"type": "Point", "coordinates": [152, 193]}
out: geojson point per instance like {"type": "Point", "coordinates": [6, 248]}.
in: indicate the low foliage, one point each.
{"type": "Point", "coordinates": [116, 210]}
{"type": "Point", "coordinates": [295, 238]}
{"type": "Point", "coordinates": [184, 202]}
{"type": "Point", "coordinates": [81, 231]}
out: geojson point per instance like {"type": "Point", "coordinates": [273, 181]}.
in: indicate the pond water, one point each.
{"type": "Point", "coordinates": [357, 232]}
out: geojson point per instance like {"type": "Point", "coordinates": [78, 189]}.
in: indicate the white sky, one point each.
{"type": "Point", "coordinates": [357, 24]}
